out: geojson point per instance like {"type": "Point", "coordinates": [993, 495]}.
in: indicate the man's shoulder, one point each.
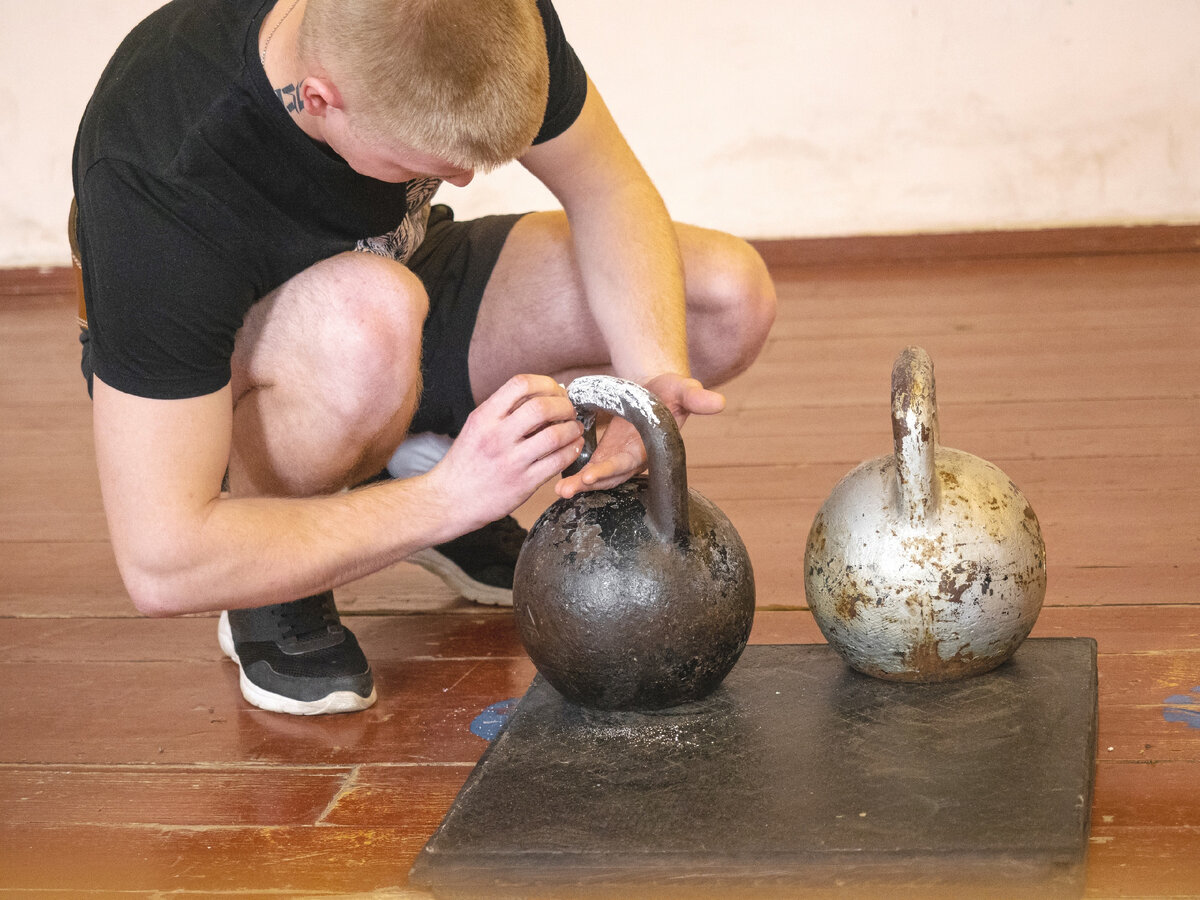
{"type": "Point", "coordinates": [164, 74]}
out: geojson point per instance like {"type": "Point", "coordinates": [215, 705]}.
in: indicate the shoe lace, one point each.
{"type": "Point", "coordinates": [307, 616]}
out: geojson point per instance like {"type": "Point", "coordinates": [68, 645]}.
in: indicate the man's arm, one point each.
{"type": "Point", "coordinates": [629, 261]}
{"type": "Point", "coordinates": [181, 547]}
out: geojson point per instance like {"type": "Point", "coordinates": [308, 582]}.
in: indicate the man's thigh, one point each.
{"type": "Point", "coordinates": [296, 333]}
{"type": "Point", "coordinates": [318, 326]}
{"type": "Point", "coordinates": [534, 315]}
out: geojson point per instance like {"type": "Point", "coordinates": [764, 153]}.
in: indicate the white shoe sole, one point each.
{"type": "Point", "coordinates": [337, 702]}
{"type": "Point", "coordinates": [446, 569]}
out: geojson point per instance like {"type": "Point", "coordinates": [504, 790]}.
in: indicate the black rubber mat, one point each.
{"type": "Point", "coordinates": [798, 777]}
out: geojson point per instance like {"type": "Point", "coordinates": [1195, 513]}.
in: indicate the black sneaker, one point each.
{"type": "Point", "coordinates": [297, 657]}
{"type": "Point", "coordinates": [479, 565]}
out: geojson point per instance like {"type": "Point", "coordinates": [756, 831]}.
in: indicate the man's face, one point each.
{"type": "Point", "coordinates": [383, 162]}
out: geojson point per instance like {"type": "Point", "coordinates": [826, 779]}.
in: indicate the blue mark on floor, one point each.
{"type": "Point", "coordinates": [1184, 708]}
{"type": "Point", "coordinates": [489, 722]}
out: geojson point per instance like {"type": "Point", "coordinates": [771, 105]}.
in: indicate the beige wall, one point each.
{"type": "Point", "coordinates": [771, 118]}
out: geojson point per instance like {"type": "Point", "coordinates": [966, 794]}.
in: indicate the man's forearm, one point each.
{"type": "Point", "coordinates": [248, 552]}
{"type": "Point", "coordinates": [624, 241]}
{"type": "Point", "coordinates": [629, 261]}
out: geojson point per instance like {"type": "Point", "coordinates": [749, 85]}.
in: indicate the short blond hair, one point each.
{"type": "Point", "coordinates": [463, 80]}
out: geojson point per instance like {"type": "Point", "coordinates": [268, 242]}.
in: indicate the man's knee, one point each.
{"type": "Point", "coordinates": [343, 336]}
{"type": "Point", "coordinates": [748, 287]}
{"type": "Point", "coordinates": [368, 360]}
{"type": "Point", "coordinates": [732, 306]}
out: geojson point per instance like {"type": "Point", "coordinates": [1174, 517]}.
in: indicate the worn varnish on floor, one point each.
{"type": "Point", "coordinates": [129, 762]}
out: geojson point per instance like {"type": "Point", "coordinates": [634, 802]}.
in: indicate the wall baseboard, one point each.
{"type": "Point", "coordinates": [1090, 241]}
{"type": "Point", "coordinates": [864, 249]}
{"type": "Point", "coordinates": [37, 280]}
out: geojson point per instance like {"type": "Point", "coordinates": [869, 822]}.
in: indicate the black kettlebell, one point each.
{"type": "Point", "coordinates": [639, 597]}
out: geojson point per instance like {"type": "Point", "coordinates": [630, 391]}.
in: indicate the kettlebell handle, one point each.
{"type": "Point", "coordinates": [915, 434]}
{"type": "Point", "coordinates": [667, 501]}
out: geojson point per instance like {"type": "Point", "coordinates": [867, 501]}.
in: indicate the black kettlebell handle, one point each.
{"type": "Point", "coordinates": [667, 502]}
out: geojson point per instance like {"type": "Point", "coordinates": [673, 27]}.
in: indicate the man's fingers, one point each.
{"type": "Point", "coordinates": [601, 474]}
{"type": "Point", "coordinates": [537, 412]}
{"type": "Point", "coordinates": [553, 463]}
{"type": "Point", "coordinates": [553, 438]}
{"type": "Point", "coordinates": [700, 401]}
{"type": "Point", "coordinates": [521, 389]}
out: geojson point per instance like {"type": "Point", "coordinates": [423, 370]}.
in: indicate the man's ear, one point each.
{"type": "Point", "coordinates": [320, 94]}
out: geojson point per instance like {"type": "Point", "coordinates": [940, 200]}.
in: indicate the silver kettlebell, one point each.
{"type": "Point", "coordinates": [927, 564]}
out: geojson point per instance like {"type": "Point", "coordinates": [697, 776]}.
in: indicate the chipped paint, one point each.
{"type": "Point", "coordinates": [1184, 708]}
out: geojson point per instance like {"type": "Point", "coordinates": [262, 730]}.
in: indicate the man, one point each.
{"type": "Point", "coordinates": [272, 305]}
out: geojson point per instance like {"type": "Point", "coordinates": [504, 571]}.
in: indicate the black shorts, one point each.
{"type": "Point", "coordinates": [454, 263]}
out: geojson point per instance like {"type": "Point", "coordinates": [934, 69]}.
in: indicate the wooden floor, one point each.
{"type": "Point", "coordinates": [130, 763]}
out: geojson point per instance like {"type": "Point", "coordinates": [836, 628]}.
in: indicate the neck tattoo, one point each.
{"type": "Point", "coordinates": [267, 42]}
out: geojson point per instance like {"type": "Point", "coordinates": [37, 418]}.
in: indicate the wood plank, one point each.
{"type": "Point", "coordinates": [847, 435]}
{"type": "Point", "coordinates": [775, 533]}
{"type": "Point", "coordinates": [976, 316]}
{"type": "Point", "coordinates": [487, 634]}
{"type": "Point", "coordinates": [395, 796]}
{"type": "Point", "coordinates": [1056, 370]}
{"type": "Point", "coordinates": [794, 413]}
{"type": "Point", "coordinates": [1129, 861]}
{"type": "Point", "coordinates": [1148, 678]}
{"type": "Point", "coordinates": [61, 579]}
{"type": "Point", "coordinates": [1156, 528]}
{"type": "Point", "coordinates": [812, 481]}
{"type": "Point", "coordinates": [238, 860]}
{"type": "Point", "coordinates": [187, 713]}
{"type": "Point", "coordinates": [1143, 862]}
{"type": "Point", "coordinates": [1147, 795]}
{"type": "Point", "coordinates": [1125, 629]}
{"type": "Point", "coordinates": [168, 795]}
{"type": "Point", "coordinates": [1150, 583]}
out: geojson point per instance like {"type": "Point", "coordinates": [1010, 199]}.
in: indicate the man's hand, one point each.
{"type": "Point", "coordinates": [620, 454]}
{"type": "Point", "coordinates": [512, 444]}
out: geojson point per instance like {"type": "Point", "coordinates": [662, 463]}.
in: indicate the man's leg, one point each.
{"type": "Point", "coordinates": [534, 316]}
{"type": "Point", "coordinates": [326, 376]}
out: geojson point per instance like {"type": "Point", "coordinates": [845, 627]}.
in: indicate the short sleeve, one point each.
{"type": "Point", "coordinates": [164, 303]}
{"type": "Point", "coordinates": [568, 80]}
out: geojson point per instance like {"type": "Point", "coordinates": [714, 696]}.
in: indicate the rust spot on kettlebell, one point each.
{"type": "Point", "coordinates": [924, 664]}
{"type": "Point", "coordinates": [951, 588]}
{"type": "Point", "coordinates": [846, 604]}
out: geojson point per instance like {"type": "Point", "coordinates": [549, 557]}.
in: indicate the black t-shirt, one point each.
{"type": "Point", "coordinates": [198, 194]}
